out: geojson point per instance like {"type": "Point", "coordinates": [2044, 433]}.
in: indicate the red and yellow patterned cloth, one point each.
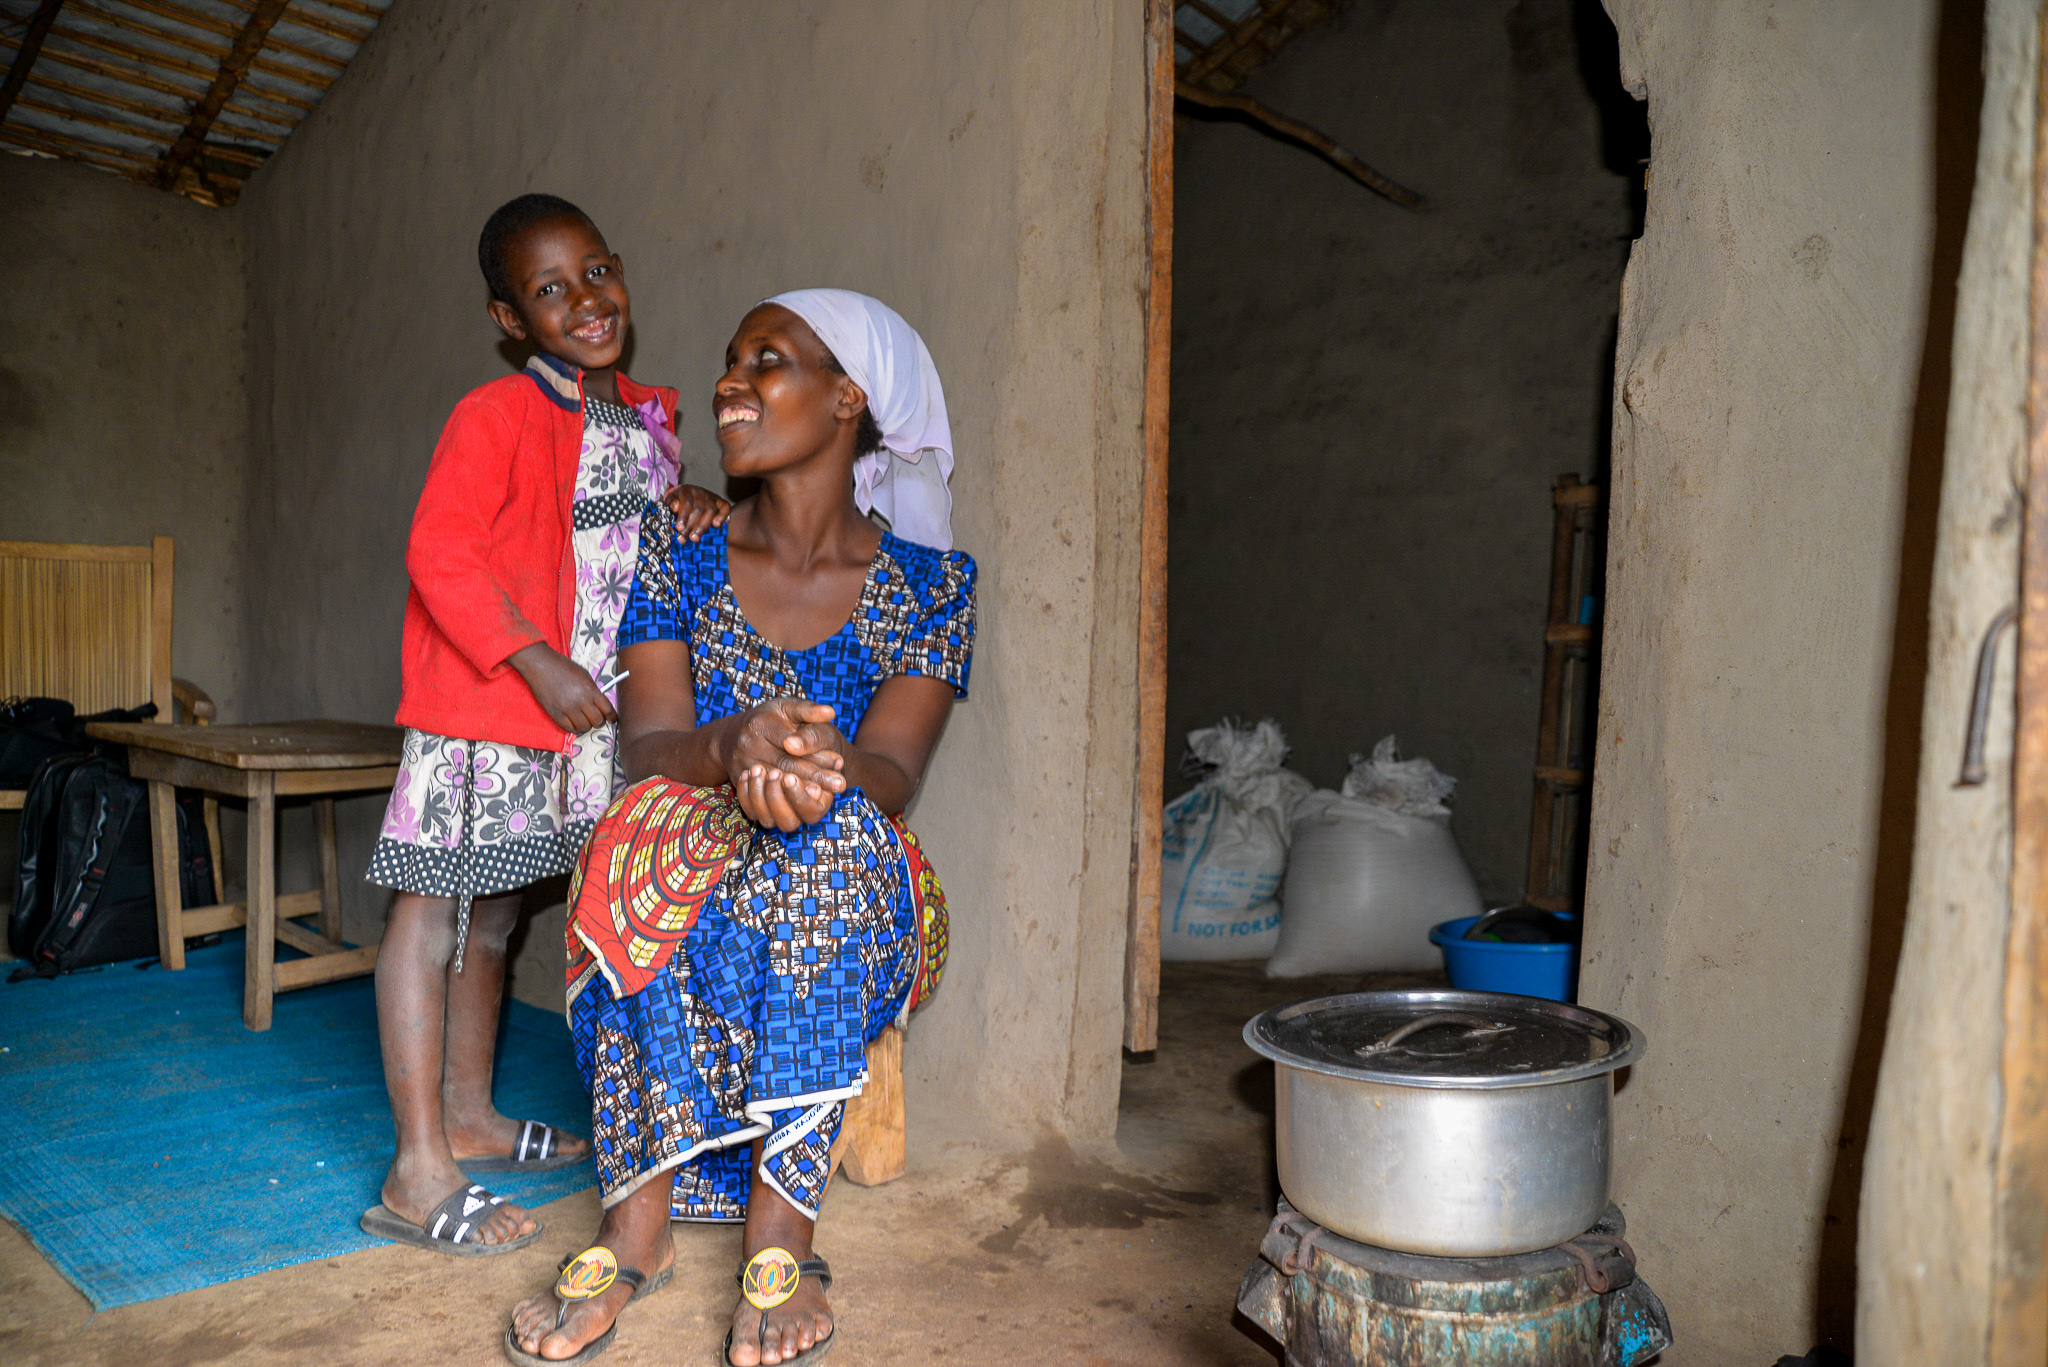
{"type": "Point", "coordinates": [930, 899]}
{"type": "Point", "coordinates": [655, 858]}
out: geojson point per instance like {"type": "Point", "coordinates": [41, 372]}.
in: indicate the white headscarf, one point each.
{"type": "Point", "coordinates": [905, 481]}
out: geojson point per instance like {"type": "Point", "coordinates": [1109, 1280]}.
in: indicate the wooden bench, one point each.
{"type": "Point", "coordinates": [869, 1149]}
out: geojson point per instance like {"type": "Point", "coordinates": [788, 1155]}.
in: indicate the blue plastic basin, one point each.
{"type": "Point", "coordinates": [1490, 966]}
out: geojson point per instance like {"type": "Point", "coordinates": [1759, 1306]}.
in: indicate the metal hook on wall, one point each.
{"type": "Point", "coordinates": [1980, 701]}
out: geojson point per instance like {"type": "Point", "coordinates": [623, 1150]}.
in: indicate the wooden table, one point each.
{"type": "Point", "coordinates": [261, 763]}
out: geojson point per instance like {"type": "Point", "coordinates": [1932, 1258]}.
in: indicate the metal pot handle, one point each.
{"type": "Point", "coordinates": [1435, 1018]}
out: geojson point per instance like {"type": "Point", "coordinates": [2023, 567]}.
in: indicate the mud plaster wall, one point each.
{"type": "Point", "coordinates": [1770, 344]}
{"type": "Point", "coordinates": [123, 406]}
{"type": "Point", "coordinates": [1370, 403]}
{"type": "Point", "coordinates": [979, 167]}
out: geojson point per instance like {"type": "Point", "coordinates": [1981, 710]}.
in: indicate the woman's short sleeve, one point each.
{"type": "Point", "coordinates": [657, 608]}
{"type": "Point", "coordinates": [941, 642]}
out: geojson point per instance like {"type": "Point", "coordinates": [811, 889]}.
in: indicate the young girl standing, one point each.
{"type": "Point", "coordinates": [521, 555]}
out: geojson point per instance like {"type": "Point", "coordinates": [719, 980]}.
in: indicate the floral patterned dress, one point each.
{"type": "Point", "coordinates": [469, 818]}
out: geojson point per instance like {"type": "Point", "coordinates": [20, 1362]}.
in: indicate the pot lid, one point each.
{"type": "Point", "coordinates": [1445, 1039]}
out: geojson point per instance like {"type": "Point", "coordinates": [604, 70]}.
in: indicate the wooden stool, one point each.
{"type": "Point", "coordinates": [870, 1144]}
{"type": "Point", "coordinates": [261, 763]}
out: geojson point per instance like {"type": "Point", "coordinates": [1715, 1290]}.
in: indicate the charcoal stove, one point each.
{"type": "Point", "coordinates": [1332, 1302]}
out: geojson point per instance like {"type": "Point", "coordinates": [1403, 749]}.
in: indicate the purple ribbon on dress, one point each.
{"type": "Point", "coordinates": [668, 446]}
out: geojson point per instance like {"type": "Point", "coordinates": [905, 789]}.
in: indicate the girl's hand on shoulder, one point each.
{"type": "Point", "coordinates": [696, 510]}
{"type": "Point", "coordinates": [563, 688]}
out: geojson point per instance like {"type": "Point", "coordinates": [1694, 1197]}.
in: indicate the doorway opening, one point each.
{"type": "Point", "coordinates": [1371, 405]}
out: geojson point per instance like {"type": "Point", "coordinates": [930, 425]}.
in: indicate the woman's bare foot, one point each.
{"type": "Point", "coordinates": [804, 1320]}
{"type": "Point", "coordinates": [636, 1230]}
{"type": "Point", "coordinates": [794, 1327]}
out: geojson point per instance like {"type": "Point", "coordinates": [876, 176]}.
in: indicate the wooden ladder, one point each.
{"type": "Point", "coordinates": [1564, 752]}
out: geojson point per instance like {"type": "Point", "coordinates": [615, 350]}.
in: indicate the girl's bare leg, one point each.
{"type": "Point", "coordinates": [800, 1322]}
{"type": "Point", "coordinates": [475, 997]}
{"type": "Point", "coordinates": [413, 1001]}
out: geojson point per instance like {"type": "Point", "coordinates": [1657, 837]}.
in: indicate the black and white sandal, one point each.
{"type": "Point", "coordinates": [768, 1279]}
{"type": "Point", "coordinates": [585, 1276]}
{"type": "Point", "coordinates": [451, 1226]}
{"type": "Point", "coordinates": [539, 1150]}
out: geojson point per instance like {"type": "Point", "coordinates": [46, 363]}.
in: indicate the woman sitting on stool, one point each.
{"type": "Point", "coordinates": [750, 913]}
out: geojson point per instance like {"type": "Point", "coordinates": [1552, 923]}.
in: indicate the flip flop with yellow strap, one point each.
{"type": "Point", "coordinates": [768, 1279]}
{"type": "Point", "coordinates": [586, 1276]}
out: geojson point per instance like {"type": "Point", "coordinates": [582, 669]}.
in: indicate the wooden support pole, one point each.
{"type": "Point", "coordinates": [25, 56]}
{"type": "Point", "coordinates": [2019, 1253]}
{"type": "Point", "coordinates": [248, 43]}
{"type": "Point", "coordinates": [1141, 951]}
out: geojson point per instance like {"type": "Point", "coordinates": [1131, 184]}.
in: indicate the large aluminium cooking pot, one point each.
{"type": "Point", "coordinates": [1455, 1124]}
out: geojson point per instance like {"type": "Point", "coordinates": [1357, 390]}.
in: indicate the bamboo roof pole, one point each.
{"type": "Point", "coordinates": [166, 62]}
{"type": "Point", "coordinates": [205, 49]}
{"type": "Point", "coordinates": [1235, 37]}
{"type": "Point", "coordinates": [163, 113]}
{"type": "Point", "coordinates": [39, 25]}
{"type": "Point", "coordinates": [134, 130]}
{"type": "Point", "coordinates": [43, 139]}
{"type": "Point", "coordinates": [298, 15]}
{"type": "Point", "coordinates": [168, 9]}
{"type": "Point", "coordinates": [356, 7]}
{"type": "Point", "coordinates": [141, 80]}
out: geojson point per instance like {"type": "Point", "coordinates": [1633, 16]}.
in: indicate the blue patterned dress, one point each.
{"type": "Point", "coordinates": [805, 951]}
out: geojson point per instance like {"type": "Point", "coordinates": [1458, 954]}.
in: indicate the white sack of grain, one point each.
{"type": "Point", "coordinates": [1223, 849]}
{"type": "Point", "coordinates": [1370, 870]}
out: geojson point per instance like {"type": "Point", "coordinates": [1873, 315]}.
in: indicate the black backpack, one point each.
{"type": "Point", "coordinates": [33, 730]}
{"type": "Point", "coordinates": [85, 893]}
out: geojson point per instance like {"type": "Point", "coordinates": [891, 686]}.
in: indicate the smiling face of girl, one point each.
{"type": "Point", "coordinates": [781, 403]}
{"type": "Point", "coordinates": [568, 294]}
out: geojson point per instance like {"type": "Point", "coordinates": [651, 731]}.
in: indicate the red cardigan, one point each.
{"type": "Point", "coordinates": [491, 561]}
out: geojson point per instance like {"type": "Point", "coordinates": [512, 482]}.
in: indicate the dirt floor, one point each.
{"type": "Point", "coordinates": [1044, 1256]}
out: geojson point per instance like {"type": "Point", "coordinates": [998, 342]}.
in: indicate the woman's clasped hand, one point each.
{"type": "Point", "coordinates": [787, 762]}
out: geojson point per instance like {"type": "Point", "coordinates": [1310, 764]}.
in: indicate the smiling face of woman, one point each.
{"type": "Point", "coordinates": [780, 403]}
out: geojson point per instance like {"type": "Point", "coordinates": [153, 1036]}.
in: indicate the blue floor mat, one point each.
{"type": "Point", "coordinates": [150, 1144]}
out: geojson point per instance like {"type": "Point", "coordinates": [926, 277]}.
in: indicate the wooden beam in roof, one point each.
{"type": "Point", "coordinates": [25, 56]}
{"type": "Point", "coordinates": [247, 44]}
{"type": "Point", "coordinates": [1301, 132]}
